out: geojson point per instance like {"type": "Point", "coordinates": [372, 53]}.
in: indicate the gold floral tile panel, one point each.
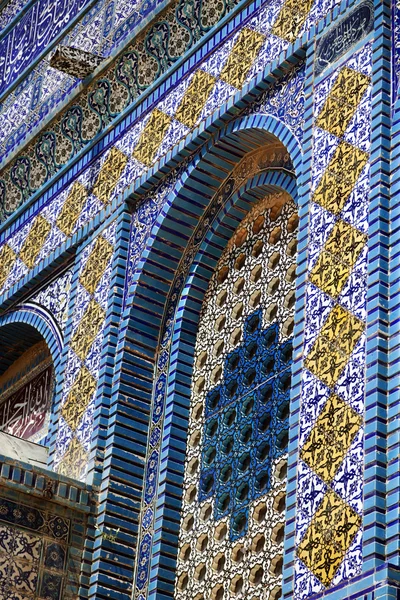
{"type": "Point", "coordinates": [96, 264]}
{"type": "Point", "coordinates": [151, 137]}
{"type": "Point", "coordinates": [330, 438]}
{"type": "Point", "coordinates": [338, 258]}
{"type": "Point", "coordinates": [109, 174]}
{"type": "Point", "coordinates": [242, 57]}
{"type": "Point", "coordinates": [340, 177]}
{"type": "Point", "coordinates": [328, 537]}
{"type": "Point", "coordinates": [74, 460]}
{"type": "Point", "coordinates": [334, 345]}
{"type": "Point", "coordinates": [72, 208]}
{"type": "Point", "coordinates": [291, 19]}
{"type": "Point", "coordinates": [330, 274]}
{"type": "Point", "coordinates": [193, 101]}
{"type": "Point", "coordinates": [342, 101]}
{"type": "Point", "coordinates": [7, 259]}
{"type": "Point", "coordinates": [78, 398]}
{"type": "Point", "coordinates": [87, 329]}
{"type": "Point", "coordinates": [34, 241]}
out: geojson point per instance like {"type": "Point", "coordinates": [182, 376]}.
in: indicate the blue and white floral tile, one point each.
{"type": "Point", "coordinates": [221, 92]}
{"type": "Point", "coordinates": [355, 211]}
{"type": "Point", "coordinates": [305, 584]}
{"type": "Point", "coordinates": [310, 491]}
{"type": "Point", "coordinates": [317, 393]}
{"type": "Point", "coordinates": [175, 133]}
{"type": "Point", "coordinates": [319, 305]}
{"type": "Point", "coordinates": [348, 481]}
{"type": "Point", "coordinates": [92, 361]}
{"type": "Point", "coordinates": [352, 562]}
{"type": "Point", "coordinates": [64, 437]}
{"type": "Point", "coordinates": [324, 146]}
{"type": "Point", "coordinates": [353, 297]}
{"type": "Point", "coordinates": [358, 132]}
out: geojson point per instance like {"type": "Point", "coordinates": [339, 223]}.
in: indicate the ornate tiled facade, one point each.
{"type": "Point", "coordinates": [198, 206]}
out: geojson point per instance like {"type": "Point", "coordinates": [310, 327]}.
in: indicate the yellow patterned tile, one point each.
{"type": "Point", "coordinates": [328, 537]}
{"type": "Point", "coordinates": [87, 329]}
{"type": "Point", "coordinates": [109, 174]}
{"type": "Point", "coordinates": [152, 136]}
{"type": "Point", "coordinates": [78, 398]}
{"type": "Point", "coordinates": [241, 58]}
{"type": "Point", "coordinates": [291, 19]}
{"type": "Point", "coordinates": [7, 259]}
{"type": "Point", "coordinates": [193, 101]}
{"type": "Point", "coordinates": [74, 461]}
{"type": "Point", "coordinates": [342, 101]}
{"type": "Point", "coordinates": [35, 239]}
{"type": "Point", "coordinates": [340, 177]}
{"type": "Point", "coordinates": [329, 274]}
{"type": "Point", "coordinates": [330, 438]}
{"type": "Point", "coordinates": [334, 345]}
{"type": "Point", "coordinates": [96, 264]}
{"type": "Point", "coordinates": [345, 242]}
{"type": "Point", "coordinates": [338, 258]}
{"type": "Point", "coordinates": [72, 208]}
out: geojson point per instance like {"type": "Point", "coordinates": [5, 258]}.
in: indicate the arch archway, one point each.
{"type": "Point", "coordinates": [173, 243]}
{"type": "Point", "coordinates": [30, 348]}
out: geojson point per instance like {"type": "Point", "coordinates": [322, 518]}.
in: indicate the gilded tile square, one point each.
{"type": "Point", "coordinates": [329, 536]}
{"type": "Point", "coordinates": [7, 259]}
{"type": "Point", "coordinates": [87, 329]}
{"type": "Point", "coordinates": [78, 398]}
{"type": "Point", "coordinates": [195, 98]}
{"type": "Point", "coordinates": [342, 101]}
{"type": "Point", "coordinates": [336, 261]}
{"type": "Point", "coordinates": [36, 237]}
{"type": "Point", "coordinates": [151, 137]}
{"type": "Point", "coordinates": [333, 347]}
{"type": "Point", "coordinates": [330, 438]}
{"type": "Point", "coordinates": [74, 461]}
{"type": "Point", "coordinates": [96, 264]}
{"type": "Point", "coordinates": [340, 177]}
{"type": "Point", "coordinates": [72, 208]}
{"type": "Point", "coordinates": [109, 174]}
{"type": "Point", "coordinates": [291, 19]}
{"type": "Point", "coordinates": [330, 274]}
{"type": "Point", "coordinates": [241, 58]}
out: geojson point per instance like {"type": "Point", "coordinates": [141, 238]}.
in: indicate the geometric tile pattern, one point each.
{"type": "Point", "coordinates": [108, 177]}
{"type": "Point", "coordinates": [338, 257]}
{"type": "Point", "coordinates": [334, 345]}
{"type": "Point", "coordinates": [34, 241]}
{"type": "Point", "coordinates": [243, 54]}
{"type": "Point", "coordinates": [33, 552]}
{"type": "Point", "coordinates": [71, 209]}
{"type": "Point", "coordinates": [291, 19]}
{"type": "Point", "coordinates": [340, 176]}
{"type": "Point", "coordinates": [239, 405]}
{"type": "Point", "coordinates": [237, 434]}
{"type": "Point", "coordinates": [83, 358]}
{"type": "Point", "coordinates": [328, 529]}
{"type": "Point", "coordinates": [58, 221]}
{"type": "Point", "coordinates": [330, 534]}
{"type": "Point", "coordinates": [331, 438]}
{"type": "Point", "coordinates": [240, 58]}
{"type": "Point", "coordinates": [192, 101]}
{"type": "Point", "coordinates": [152, 136]}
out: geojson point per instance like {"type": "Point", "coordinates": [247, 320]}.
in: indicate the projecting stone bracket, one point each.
{"type": "Point", "coordinates": [74, 61]}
